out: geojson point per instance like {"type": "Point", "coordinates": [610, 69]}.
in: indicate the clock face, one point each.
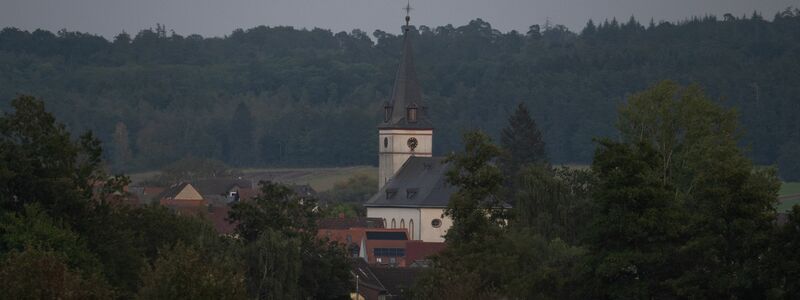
{"type": "Point", "coordinates": [412, 143]}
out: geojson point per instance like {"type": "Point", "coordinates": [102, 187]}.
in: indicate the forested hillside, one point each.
{"type": "Point", "coordinates": [278, 96]}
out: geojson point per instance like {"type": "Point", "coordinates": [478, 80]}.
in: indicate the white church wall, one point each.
{"type": "Point", "coordinates": [398, 214]}
{"type": "Point", "coordinates": [429, 233]}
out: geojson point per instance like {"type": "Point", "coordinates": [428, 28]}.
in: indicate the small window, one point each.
{"type": "Point", "coordinates": [436, 223]}
{"type": "Point", "coordinates": [411, 228]}
{"type": "Point", "coordinates": [412, 113]}
{"type": "Point", "coordinates": [385, 142]}
{"type": "Point", "coordinates": [394, 223]}
{"type": "Point", "coordinates": [402, 223]}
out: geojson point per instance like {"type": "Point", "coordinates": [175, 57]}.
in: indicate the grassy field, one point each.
{"type": "Point", "coordinates": [790, 188]}
{"type": "Point", "coordinates": [321, 179]}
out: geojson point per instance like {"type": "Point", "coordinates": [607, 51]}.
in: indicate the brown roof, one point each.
{"type": "Point", "coordinates": [418, 250]}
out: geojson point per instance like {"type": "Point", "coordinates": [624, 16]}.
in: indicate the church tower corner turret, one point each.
{"type": "Point", "coordinates": [406, 130]}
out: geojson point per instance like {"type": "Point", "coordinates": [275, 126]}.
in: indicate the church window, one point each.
{"type": "Point", "coordinates": [385, 142]}
{"type": "Point", "coordinates": [411, 228]}
{"type": "Point", "coordinates": [394, 223]}
{"type": "Point", "coordinates": [412, 113]}
{"type": "Point", "coordinates": [436, 223]}
{"type": "Point", "coordinates": [402, 223]}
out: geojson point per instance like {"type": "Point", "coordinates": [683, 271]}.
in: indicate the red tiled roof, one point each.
{"type": "Point", "coordinates": [417, 250]}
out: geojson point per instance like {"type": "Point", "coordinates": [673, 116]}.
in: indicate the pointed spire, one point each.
{"type": "Point", "coordinates": [407, 93]}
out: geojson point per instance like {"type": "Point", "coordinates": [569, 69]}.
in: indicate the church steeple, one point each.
{"type": "Point", "coordinates": [406, 98]}
{"type": "Point", "coordinates": [405, 131]}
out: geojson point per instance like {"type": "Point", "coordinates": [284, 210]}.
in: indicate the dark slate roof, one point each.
{"type": "Point", "coordinates": [420, 182]}
{"type": "Point", "coordinates": [347, 223]}
{"type": "Point", "coordinates": [172, 191]}
{"type": "Point", "coordinates": [214, 190]}
{"type": "Point", "coordinates": [406, 92]}
{"type": "Point", "coordinates": [219, 186]}
{"type": "Point", "coordinates": [365, 276]}
{"type": "Point", "coordinates": [397, 281]}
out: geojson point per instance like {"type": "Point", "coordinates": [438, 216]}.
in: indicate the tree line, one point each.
{"type": "Point", "coordinates": [280, 96]}
{"type": "Point", "coordinates": [671, 208]}
{"type": "Point", "coordinates": [65, 235]}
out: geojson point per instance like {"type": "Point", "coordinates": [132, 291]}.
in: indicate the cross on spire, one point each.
{"type": "Point", "coordinates": [408, 10]}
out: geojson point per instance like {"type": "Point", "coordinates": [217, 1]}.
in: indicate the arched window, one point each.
{"type": "Point", "coordinates": [411, 228]}
{"type": "Point", "coordinates": [394, 224]}
{"type": "Point", "coordinates": [402, 223]}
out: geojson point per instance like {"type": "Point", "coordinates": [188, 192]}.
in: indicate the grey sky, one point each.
{"type": "Point", "coordinates": [218, 18]}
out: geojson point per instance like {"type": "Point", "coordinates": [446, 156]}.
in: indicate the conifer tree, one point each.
{"type": "Point", "coordinates": [521, 141]}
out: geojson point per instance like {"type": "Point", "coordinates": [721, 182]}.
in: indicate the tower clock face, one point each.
{"type": "Point", "coordinates": [412, 143]}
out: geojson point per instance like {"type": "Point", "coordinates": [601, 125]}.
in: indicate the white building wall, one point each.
{"type": "Point", "coordinates": [398, 214]}
{"type": "Point", "coordinates": [394, 150]}
{"type": "Point", "coordinates": [428, 232]}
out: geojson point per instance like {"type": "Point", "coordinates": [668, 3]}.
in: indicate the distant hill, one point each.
{"type": "Point", "coordinates": [287, 97]}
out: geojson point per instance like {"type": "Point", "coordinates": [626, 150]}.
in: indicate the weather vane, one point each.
{"type": "Point", "coordinates": [408, 9]}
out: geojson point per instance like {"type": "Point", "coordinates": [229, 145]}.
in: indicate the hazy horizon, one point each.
{"type": "Point", "coordinates": [212, 18]}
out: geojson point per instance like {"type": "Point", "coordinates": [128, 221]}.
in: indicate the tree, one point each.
{"type": "Point", "coordinates": [638, 224]}
{"type": "Point", "coordinates": [678, 148]}
{"type": "Point", "coordinates": [522, 142]}
{"type": "Point", "coordinates": [781, 263]}
{"type": "Point", "coordinates": [41, 274]}
{"type": "Point", "coordinates": [241, 136]}
{"type": "Point", "coordinates": [277, 210]}
{"type": "Point", "coordinates": [122, 151]}
{"type": "Point", "coordinates": [474, 208]}
{"type": "Point", "coordinates": [43, 164]}
{"type": "Point", "coordinates": [554, 203]}
{"type": "Point", "coordinates": [183, 272]}
{"type": "Point", "coordinates": [274, 266]}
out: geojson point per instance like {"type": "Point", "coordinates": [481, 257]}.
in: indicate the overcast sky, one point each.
{"type": "Point", "coordinates": [220, 17]}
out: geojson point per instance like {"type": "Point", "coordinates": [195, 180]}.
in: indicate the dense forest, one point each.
{"type": "Point", "coordinates": [280, 96]}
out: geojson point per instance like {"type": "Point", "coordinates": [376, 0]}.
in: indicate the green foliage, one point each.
{"type": "Point", "coordinates": [781, 263]}
{"type": "Point", "coordinates": [33, 229]}
{"type": "Point", "coordinates": [183, 272]}
{"type": "Point", "coordinates": [475, 209]}
{"type": "Point", "coordinates": [356, 189]}
{"type": "Point", "coordinates": [42, 163]}
{"type": "Point", "coordinates": [522, 142]}
{"type": "Point", "coordinates": [40, 274]}
{"type": "Point", "coordinates": [554, 203]}
{"type": "Point", "coordinates": [278, 218]}
{"type": "Point", "coordinates": [274, 266]}
{"type": "Point", "coordinates": [685, 199]}
{"type": "Point", "coordinates": [177, 94]}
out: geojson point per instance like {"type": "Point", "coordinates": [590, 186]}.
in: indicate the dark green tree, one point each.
{"type": "Point", "coordinates": [522, 142]}
{"type": "Point", "coordinates": [277, 210]}
{"type": "Point", "coordinates": [183, 272]}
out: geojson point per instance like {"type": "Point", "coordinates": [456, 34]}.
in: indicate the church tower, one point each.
{"type": "Point", "coordinates": [406, 130]}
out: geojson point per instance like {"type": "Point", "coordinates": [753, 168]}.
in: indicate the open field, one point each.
{"type": "Point", "coordinates": [790, 188]}
{"type": "Point", "coordinates": [321, 179]}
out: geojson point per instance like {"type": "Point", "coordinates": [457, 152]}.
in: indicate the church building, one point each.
{"type": "Point", "coordinates": [412, 190]}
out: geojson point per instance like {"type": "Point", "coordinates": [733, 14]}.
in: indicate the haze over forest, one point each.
{"type": "Point", "coordinates": [279, 96]}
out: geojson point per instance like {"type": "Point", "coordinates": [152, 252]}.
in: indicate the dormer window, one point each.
{"type": "Point", "coordinates": [387, 112]}
{"type": "Point", "coordinates": [411, 193]}
{"type": "Point", "coordinates": [412, 113]}
{"type": "Point", "coordinates": [390, 193]}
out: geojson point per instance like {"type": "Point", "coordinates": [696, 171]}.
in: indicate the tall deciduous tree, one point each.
{"type": "Point", "coordinates": [687, 154]}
